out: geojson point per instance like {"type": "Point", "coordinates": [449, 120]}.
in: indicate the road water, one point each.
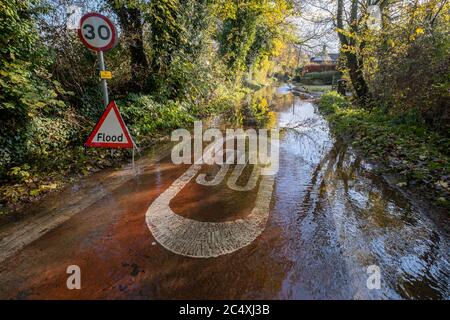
{"type": "Point", "coordinates": [332, 223]}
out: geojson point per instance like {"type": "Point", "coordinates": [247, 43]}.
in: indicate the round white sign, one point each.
{"type": "Point", "coordinates": [97, 32]}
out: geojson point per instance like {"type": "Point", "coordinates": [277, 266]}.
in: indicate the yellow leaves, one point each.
{"type": "Point", "coordinates": [446, 15]}
{"type": "Point", "coordinates": [347, 48]}
{"type": "Point", "coordinates": [225, 9]}
{"type": "Point", "coordinates": [391, 43]}
{"type": "Point", "coordinates": [42, 188]}
{"type": "Point", "coordinates": [348, 33]}
{"type": "Point", "coordinates": [278, 46]}
{"type": "Point", "coordinates": [275, 12]}
{"type": "Point", "coordinates": [272, 120]}
{"type": "Point", "coordinates": [419, 31]}
{"type": "Point", "coordinates": [264, 105]}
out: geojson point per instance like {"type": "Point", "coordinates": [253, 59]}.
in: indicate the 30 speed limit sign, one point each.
{"type": "Point", "coordinates": [97, 32]}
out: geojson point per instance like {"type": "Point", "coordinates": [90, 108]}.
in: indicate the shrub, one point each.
{"type": "Point", "coordinates": [324, 78]}
{"type": "Point", "coordinates": [145, 117]}
{"type": "Point", "coordinates": [331, 101]}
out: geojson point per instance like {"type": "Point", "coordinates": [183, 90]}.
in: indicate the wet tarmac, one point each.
{"type": "Point", "coordinates": [308, 232]}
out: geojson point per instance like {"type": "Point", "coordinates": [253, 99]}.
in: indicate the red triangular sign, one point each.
{"type": "Point", "coordinates": [110, 131]}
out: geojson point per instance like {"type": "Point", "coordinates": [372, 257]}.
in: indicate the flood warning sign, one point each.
{"type": "Point", "coordinates": [110, 131]}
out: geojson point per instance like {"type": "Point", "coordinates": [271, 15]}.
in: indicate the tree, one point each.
{"type": "Point", "coordinates": [407, 63]}
{"type": "Point", "coordinates": [26, 87]}
{"type": "Point", "coordinates": [25, 83]}
{"type": "Point", "coordinates": [166, 37]}
{"type": "Point", "coordinates": [351, 47]}
{"type": "Point", "coordinates": [252, 32]}
{"type": "Point", "coordinates": [130, 15]}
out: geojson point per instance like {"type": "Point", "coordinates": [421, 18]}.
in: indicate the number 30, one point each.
{"type": "Point", "coordinates": [101, 30]}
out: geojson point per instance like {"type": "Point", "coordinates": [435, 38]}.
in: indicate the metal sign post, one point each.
{"type": "Point", "coordinates": [101, 65]}
{"type": "Point", "coordinates": [104, 84]}
{"type": "Point", "coordinates": [98, 33]}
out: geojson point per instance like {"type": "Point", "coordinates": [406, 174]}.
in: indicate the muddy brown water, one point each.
{"type": "Point", "coordinates": [331, 217]}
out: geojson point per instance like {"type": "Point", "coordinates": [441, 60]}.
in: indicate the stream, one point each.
{"type": "Point", "coordinates": [337, 217]}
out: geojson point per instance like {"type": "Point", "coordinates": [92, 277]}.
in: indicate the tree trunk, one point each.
{"type": "Point", "coordinates": [354, 61]}
{"type": "Point", "coordinates": [130, 19]}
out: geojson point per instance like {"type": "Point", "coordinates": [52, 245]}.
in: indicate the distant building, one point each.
{"type": "Point", "coordinates": [325, 58]}
{"type": "Point", "coordinates": [334, 57]}
{"type": "Point", "coordinates": [322, 62]}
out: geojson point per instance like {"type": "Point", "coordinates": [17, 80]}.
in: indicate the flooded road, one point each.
{"type": "Point", "coordinates": [311, 231]}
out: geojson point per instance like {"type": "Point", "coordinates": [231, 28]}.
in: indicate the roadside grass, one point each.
{"type": "Point", "coordinates": [419, 156]}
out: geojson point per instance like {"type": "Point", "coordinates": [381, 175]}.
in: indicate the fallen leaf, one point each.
{"type": "Point", "coordinates": [442, 184]}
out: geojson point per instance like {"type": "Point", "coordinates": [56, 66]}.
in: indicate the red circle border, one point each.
{"type": "Point", "coordinates": [111, 44]}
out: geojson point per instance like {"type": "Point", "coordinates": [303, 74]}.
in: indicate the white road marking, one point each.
{"type": "Point", "coordinates": [201, 178]}
{"type": "Point", "coordinates": [251, 183]}
{"type": "Point", "coordinates": [198, 239]}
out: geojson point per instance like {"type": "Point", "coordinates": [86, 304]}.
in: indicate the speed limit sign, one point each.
{"type": "Point", "coordinates": [97, 32]}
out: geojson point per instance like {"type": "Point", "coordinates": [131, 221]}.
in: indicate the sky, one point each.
{"type": "Point", "coordinates": [315, 26]}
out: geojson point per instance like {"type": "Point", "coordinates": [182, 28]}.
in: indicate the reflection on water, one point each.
{"type": "Point", "coordinates": [337, 218]}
